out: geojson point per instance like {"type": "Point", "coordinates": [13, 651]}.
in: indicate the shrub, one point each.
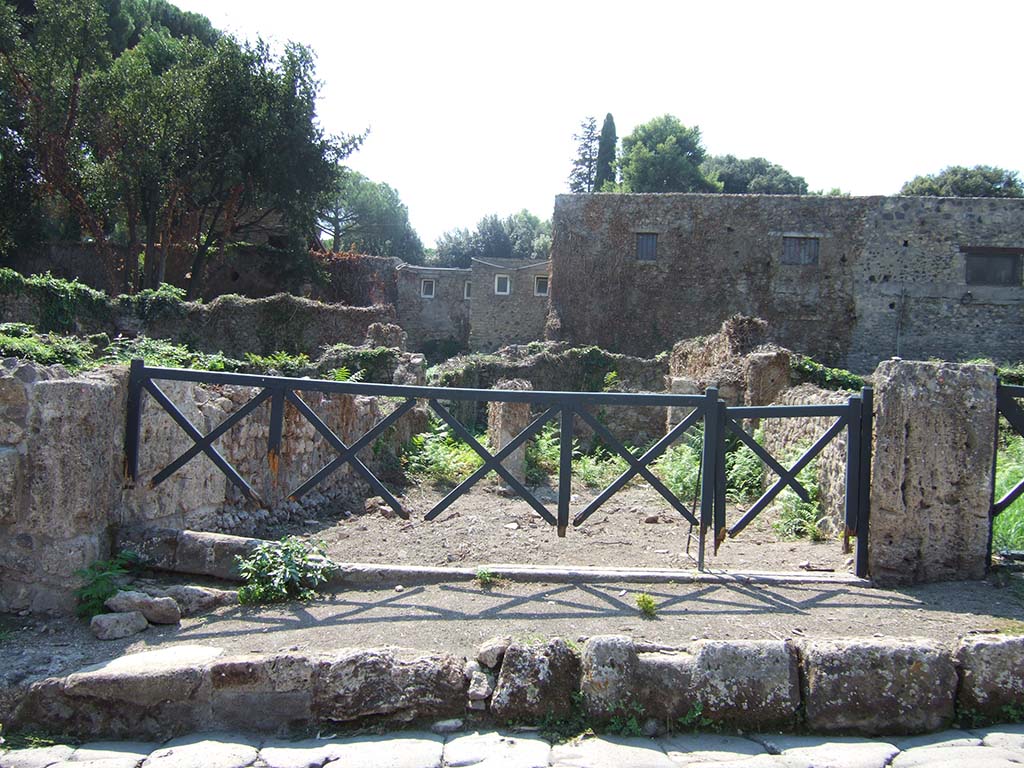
{"type": "Point", "coordinates": [542, 454]}
{"type": "Point", "coordinates": [679, 466]}
{"type": "Point", "coordinates": [807, 370]}
{"type": "Point", "coordinates": [647, 605]}
{"type": "Point", "coordinates": [744, 471]}
{"type": "Point", "coordinates": [798, 518]}
{"type": "Point", "coordinates": [23, 341]}
{"type": "Point", "coordinates": [277, 571]}
{"type": "Point", "coordinates": [101, 580]}
{"type": "Point", "coordinates": [440, 457]}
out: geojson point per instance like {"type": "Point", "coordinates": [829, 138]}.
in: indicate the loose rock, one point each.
{"type": "Point", "coordinates": [492, 651]}
{"type": "Point", "coordinates": [114, 626]}
{"type": "Point", "coordinates": [157, 610]}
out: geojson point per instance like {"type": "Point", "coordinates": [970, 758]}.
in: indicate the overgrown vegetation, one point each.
{"type": "Point", "coordinates": [278, 571]}
{"type": "Point", "coordinates": [438, 456]}
{"type": "Point", "coordinates": [807, 370]}
{"type": "Point", "coordinates": [797, 518]}
{"type": "Point", "coordinates": [101, 580]}
{"type": "Point", "coordinates": [647, 605]}
{"type": "Point", "coordinates": [1008, 526]}
{"type": "Point", "coordinates": [22, 341]}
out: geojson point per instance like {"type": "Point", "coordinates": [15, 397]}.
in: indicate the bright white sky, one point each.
{"type": "Point", "coordinates": [472, 104]}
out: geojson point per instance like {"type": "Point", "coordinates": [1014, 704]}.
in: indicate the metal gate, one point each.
{"type": "Point", "coordinates": [706, 411]}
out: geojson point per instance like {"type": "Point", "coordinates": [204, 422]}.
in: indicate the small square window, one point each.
{"type": "Point", "coordinates": [502, 285]}
{"type": "Point", "coordinates": [467, 290]}
{"type": "Point", "coordinates": [993, 268]}
{"type": "Point", "coordinates": [646, 246]}
{"type": "Point", "coordinates": [540, 285]}
{"type": "Point", "coordinates": [427, 288]}
{"type": "Point", "coordinates": [800, 250]}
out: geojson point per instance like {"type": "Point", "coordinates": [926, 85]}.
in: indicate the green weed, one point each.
{"type": "Point", "coordinates": [487, 578]}
{"type": "Point", "coordinates": [694, 719]}
{"type": "Point", "coordinates": [797, 518]}
{"type": "Point", "coordinates": [101, 580]}
{"type": "Point", "coordinates": [23, 341]}
{"type": "Point", "coordinates": [1008, 526]}
{"type": "Point", "coordinates": [679, 466]}
{"type": "Point", "coordinates": [440, 457]}
{"type": "Point", "coordinates": [344, 374]}
{"type": "Point", "coordinates": [647, 605]}
{"type": "Point", "coordinates": [805, 369]}
{"type": "Point", "coordinates": [598, 469]}
{"type": "Point", "coordinates": [628, 723]}
{"type": "Point", "coordinates": [281, 362]}
{"type": "Point", "coordinates": [569, 726]}
{"type": "Point", "coordinates": [278, 571]}
{"type": "Point", "coordinates": [744, 471]}
{"type": "Point", "coordinates": [542, 454]}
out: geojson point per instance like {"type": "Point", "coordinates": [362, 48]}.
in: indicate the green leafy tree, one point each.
{"type": "Point", "coordinates": [604, 175]}
{"type": "Point", "coordinates": [663, 155]}
{"type": "Point", "coordinates": [519, 236]}
{"type": "Point", "coordinates": [958, 181]}
{"type": "Point", "coordinates": [584, 166]}
{"type": "Point", "coordinates": [752, 176]}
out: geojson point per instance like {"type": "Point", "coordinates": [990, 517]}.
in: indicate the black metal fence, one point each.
{"type": "Point", "coordinates": [1007, 407]}
{"type": "Point", "coordinates": [706, 411]}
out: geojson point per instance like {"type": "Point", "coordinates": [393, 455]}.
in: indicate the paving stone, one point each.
{"type": "Point", "coordinates": [35, 757]}
{"type": "Point", "coordinates": [205, 751]}
{"type": "Point", "coordinates": [309, 753]}
{"type": "Point", "coordinates": [407, 750]}
{"type": "Point", "coordinates": [497, 750]}
{"type": "Point", "coordinates": [758, 761]}
{"type": "Point", "coordinates": [958, 757]}
{"type": "Point", "coordinates": [107, 750]}
{"type": "Point", "coordinates": [832, 752]}
{"type": "Point", "coordinates": [103, 762]}
{"type": "Point", "coordinates": [1009, 736]}
{"type": "Point", "coordinates": [609, 752]}
{"type": "Point", "coordinates": [940, 739]}
{"type": "Point", "coordinates": [708, 747]}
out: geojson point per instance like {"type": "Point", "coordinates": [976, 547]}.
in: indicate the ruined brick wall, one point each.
{"type": "Point", "coordinates": [518, 317]}
{"type": "Point", "coordinates": [357, 280]}
{"type": "Point", "coordinates": [889, 275]}
{"type": "Point", "coordinates": [438, 320]}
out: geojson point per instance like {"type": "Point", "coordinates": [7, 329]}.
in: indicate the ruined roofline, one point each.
{"type": "Point", "coordinates": [681, 195]}
{"type": "Point", "coordinates": [532, 265]}
{"type": "Point", "coordinates": [425, 268]}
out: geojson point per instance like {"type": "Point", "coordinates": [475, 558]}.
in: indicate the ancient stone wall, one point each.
{"type": "Point", "coordinates": [62, 449]}
{"type": "Point", "coordinates": [509, 304]}
{"type": "Point", "coordinates": [881, 275]}
{"type": "Point", "coordinates": [432, 307]}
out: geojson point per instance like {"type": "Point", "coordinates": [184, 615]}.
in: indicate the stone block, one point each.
{"type": "Point", "coordinates": [504, 422]}
{"type": "Point", "coordinates": [609, 668]}
{"type": "Point", "coordinates": [264, 693]}
{"type": "Point", "coordinates": [212, 554]}
{"type": "Point", "coordinates": [493, 650]}
{"type": "Point", "coordinates": [610, 752]}
{"type": "Point", "coordinates": [11, 484]}
{"type": "Point", "coordinates": [497, 750]}
{"type": "Point", "coordinates": [115, 626]}
{"type": "Point", "coordinates": [931, 472]}
{"type": "Point", "coordinates": [536, 680]}
{"type": "Point", "coordinates": [359, 683]}
{"type": "Point", "coordinates": [156, 610]}
{"type": "Point", "coordinates": [991, 676]}
{"type": "Point", "coordinates": [877, 686]}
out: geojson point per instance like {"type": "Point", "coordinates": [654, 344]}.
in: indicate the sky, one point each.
{"type": "Point", "coordinates": [471, 106]}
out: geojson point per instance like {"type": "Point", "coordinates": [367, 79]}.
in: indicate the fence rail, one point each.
{"type": "Point", "coordinates": [705, 410]}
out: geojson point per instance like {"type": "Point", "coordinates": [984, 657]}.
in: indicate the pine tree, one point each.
{"type": "Point", "coordinates": [581, 178]}
{"type": "Point", "coordinates": [605, 154]}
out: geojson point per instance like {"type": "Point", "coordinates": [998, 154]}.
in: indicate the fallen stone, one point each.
{"type": "Point", "coordinates": [991, 675]}
{"type": "Point", "coordinates": [877, 687]}
{"type": "Point", "coordinates": [481, 685]}
{"type": "Point", "coordinates": [357, 683]}
{"type": "Point", "coordinates": [492, 651]}
{"type": "Point", "coordinates": [205, 751]}
{"type": "Point", "coordinates": [708, 747]}
{"type": "Point", "coordinates": [453, 725]}
{"type": "Point", "coordinates": [536, 681]}
{"type": "Point", "coordinates": [157, 610]}
{"type": "Point", "coordinates": [477, 705]}
{"type": "Point", "coordinates": [652, 519]}
{"type": "Point", "coordinates": [610, 752]}
{"type": "Point", "coordinates": [496, 750]}
{"type": "Point", "coordinates": [195, 600]}
{"type": "Point", "coordinates": [410, 750]}
{"type": "Point", "coordinates": [36, 757]}
{"type": "Point", "coordinates": [958, 757]}
{"type": "Point", "coordinates": [114, 626]}
{"type": "Point", "coordinates": [609, 668]}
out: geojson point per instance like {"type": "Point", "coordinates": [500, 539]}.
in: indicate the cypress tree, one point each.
{"type": "Point", "coordinates": [605, 170]}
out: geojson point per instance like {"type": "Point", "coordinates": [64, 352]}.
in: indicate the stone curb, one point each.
{"type": "Point", "coordinates": [865, 686]}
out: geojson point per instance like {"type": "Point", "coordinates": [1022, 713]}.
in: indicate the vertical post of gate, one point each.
{"type": "Point", "coordinates": [708, 475]}
{"type": "Point", "coordinates": [564, 468]}
{"type": "Point", "coordinates": [853, 435]}
{"type": "Point", "coordinates": [867, 425]}
{"type": "Point", "coordinates": [276, 430]}
{"type": "Point", "coordinates": [720, 479]}
{"type": "Point", "coordinates": [133, 425]}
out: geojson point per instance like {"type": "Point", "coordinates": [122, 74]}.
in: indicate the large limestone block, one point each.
{"type": "Point", "coordinates": [931, 472]}
{"type": "Point", "coordinates": [262, 692]}
{"type": "Point", "coordinates": [212, 554]}
{"type": "Point", "coordinates": [536, 680]}
{"type": "Point", "coordinates": [157, 610]}
{"type": "Point", "coordinates": [609, 674]}
{"type": "Point", "coordinates": [991, 676]}
{"type": "Point", "coordinates": [877, 686]}
{"type": "Point", "coordinates": [358, 683]}
{"type": "Point", "coordinates": [114, 626]}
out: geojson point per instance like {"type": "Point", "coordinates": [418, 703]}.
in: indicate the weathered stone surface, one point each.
{"type": "Point", "coordinates": [496, 750]}
{"type": "Point", "coordinates": [37, 757]}
{"type": "Point", "coordinates": [940, 739]}
{"type": "Point", "coordinates": [834, 752]}
{"type": "Point", "coordinates": [196, 600]}
{"type": "Point", "coordinates": [664, 684]}
{"type": "Point", "coordinates": [309, 753]}
{"type": "Point", "coordinates": [451, 725]}
{"type": "Point", "coordinates": [205, 751]}
{"type": "Point", "coordinates": [504, 422]}
{"type": "Point", "coordinates": [958, 757]}
{"type": "Point", "coordinates": [493, 650]}
{"type": "Point", "coordinates": [108, 762]}
{"type": "Point", "coordinates": [114, 626]}
{"type": "Point", "coordinates": [1007, 736]}
{"type": "Point", "coordinates": [610, 752]}
{"type": "Point", "coordinates": [481, 684]}
{"type": "Point", "coordinates": [109, 750]}
{"type": "Point", "coordinates": [412, 749]}
{"type": "Point", "coordinates": [708, 747]}
{"type": "Point", "coordinates": [991, 675]}
{"type": "Point", "coordinates": [262, 693]}
{"type": "Point", "coordinates": [170, 673]}
{"type": "Point", "coordinates": [931, 471]}
{"type": "Point", "coordinates": [609, 668]}
{"type": "Point", "coordinates": [157, 610]}
{"type": "Point", "coordinates": [877, 686]}
{"type": "Point", "coordinates": [536, 680]}
{"type": "Point", "coordinates": [211, 554]}
{"type": "Point", "coordinates": [358, 683]}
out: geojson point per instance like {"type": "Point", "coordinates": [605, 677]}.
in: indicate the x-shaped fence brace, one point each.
{"type": "Point", "coordinates": [1008, 407]}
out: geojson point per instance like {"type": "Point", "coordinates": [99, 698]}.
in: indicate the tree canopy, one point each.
{"type": "Point", "coordinates": [604, 174]}
{"type": "Point", "coordinates": [663, 155]}
{"type": "Point", "coordinates": [584, 166]}
{"type": "Point", "coordinates": [519, 236]}
{"type": "Point", "coordinates": [752, 176]}
{"type": "Point", "coordinates": [958, 181]}
{"type": "Point", "coordinates": [148, 127]}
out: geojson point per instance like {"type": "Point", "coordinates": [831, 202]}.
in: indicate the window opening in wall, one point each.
{"type": "Point", "coordinates": [646, 246]}
{"type": "Point", "coordinates": [502, 285]}
{"type": "Point", "coordinates": [540, 285]}
{"type": "Point", "coordinates": [800, 250]}
{"type": "Point", "coordinates": [993, 266]}
{"type": "Point", "coordinates": [427, 288]}
{"type": "Point", "coordinates": [467, 289]}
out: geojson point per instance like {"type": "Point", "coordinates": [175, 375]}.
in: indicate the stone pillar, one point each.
{"type": "Point", "coordinates": [931, 471]}
{"type": "Point", "coordinates": [504, 422]}
{"type": "Point", "coordinates": [680, 385]}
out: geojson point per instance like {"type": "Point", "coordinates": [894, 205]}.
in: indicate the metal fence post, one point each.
{"type": "Point", "coordinates": [708, 475]}
{"type": "Point", "coordinates": [867, 422]}
{"type": "Point", "coordinates": [564, 468]}
{"type": "Point", "coordinates": [853, 468]}
{"type": "Point", "coordinates": [134, 421]}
